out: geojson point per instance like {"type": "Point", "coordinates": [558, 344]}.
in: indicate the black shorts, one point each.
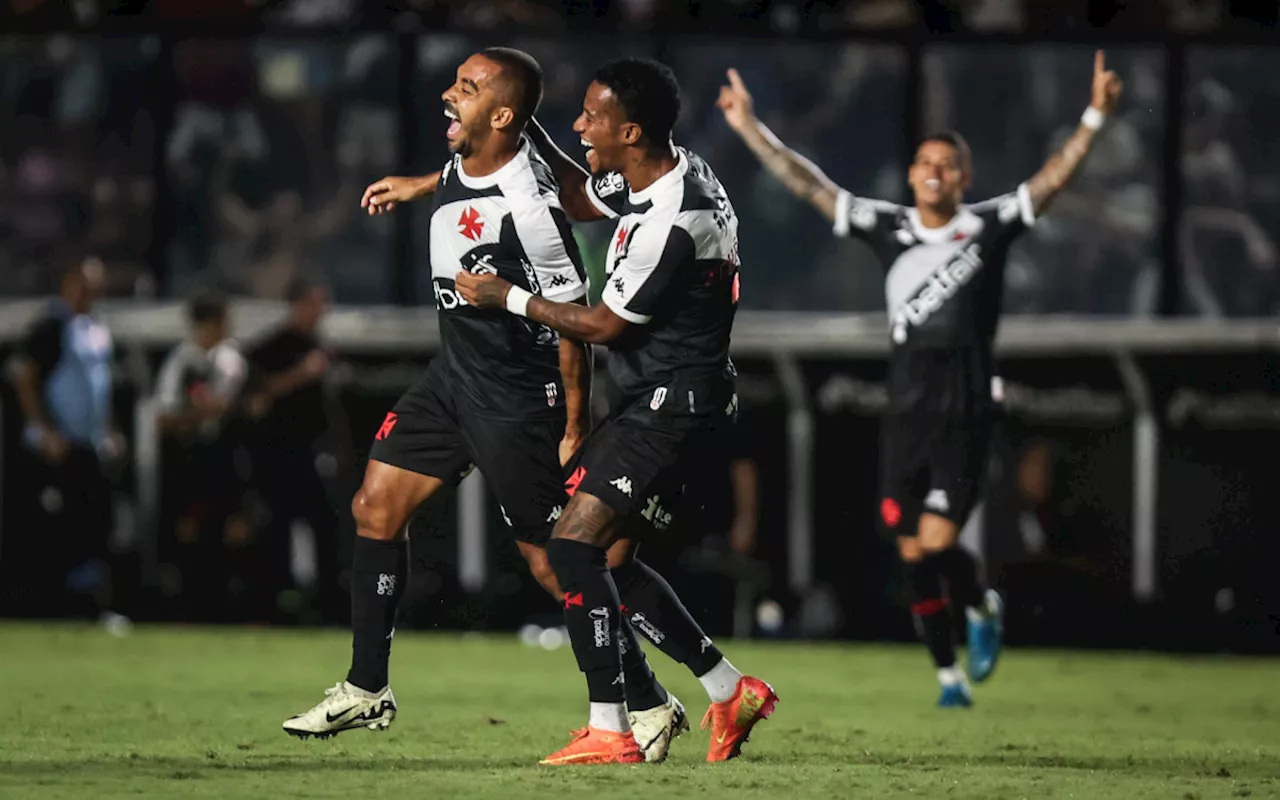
{"type": "Point", "coordinates": [931, 463]}
{"type": "Point", "coordinates": [430, 432]}
{"type": "Point", "coordinates": [641, 460]}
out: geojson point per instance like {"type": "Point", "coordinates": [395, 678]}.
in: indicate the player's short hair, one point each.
{"type": "Point", "coordinates": [300, 288]}
{"type": "Point", "coordinates": [207, 307]}
{"type": "Point", "coordinates": [963, 153]}
{"type": "Point", "coordinates": [524, 74]}
{"type": "Point", "coordinates": [649, 95]}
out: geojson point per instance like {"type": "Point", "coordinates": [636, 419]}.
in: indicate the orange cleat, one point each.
{"type": "Point", "coordinates": [731, 721]}
{"type": "Point", "coordinates": [596, 746]}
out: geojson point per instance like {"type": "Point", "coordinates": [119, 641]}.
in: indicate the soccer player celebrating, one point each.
{"type": "Point", "coordinates": [944, 263]}
{"type": "Point", "coordinates": [666, 314]}
{"type": "Point", "coordinates": [508, 395]}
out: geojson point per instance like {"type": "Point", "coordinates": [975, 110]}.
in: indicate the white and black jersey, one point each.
{"type": "Point", "coordinates": [190, 372]}
{"type": "Point", "coordinates": [671, 271]}
{"type": "Point", "coordinates": [509, 223]}
{"type": "Point", "coordinates": [943, 290]}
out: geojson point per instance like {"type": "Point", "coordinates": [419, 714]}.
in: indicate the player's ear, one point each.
{"type": "Point", "coordinates": [503, 118]}
{"type": "Point", "coordinates": [631, 133]}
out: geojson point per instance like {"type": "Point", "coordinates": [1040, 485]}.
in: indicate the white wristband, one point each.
{"type": "Point", "coordinates": [518, 301]}
{"type": "Point", "coordinates": [1092, 118]}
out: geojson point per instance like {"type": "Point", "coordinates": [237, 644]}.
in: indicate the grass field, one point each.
{"type": "Point", "coordinates": [175, 713]}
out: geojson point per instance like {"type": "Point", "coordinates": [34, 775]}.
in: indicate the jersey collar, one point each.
{"type": "Point", "coordinates": [663, 184]}
{"type": "Point", "coordinates": [498, 176]}
{"type": "Point", "coordinates": [963, 222]}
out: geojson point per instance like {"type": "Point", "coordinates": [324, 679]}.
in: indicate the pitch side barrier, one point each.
{"type": "Point", "coordinates": [1201, 383]}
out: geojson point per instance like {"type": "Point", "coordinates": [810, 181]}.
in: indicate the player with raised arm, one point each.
{"type": "Point", "coordinates": [666, 314]}
{"type": "Point", "coordinates": [944, 263]}
{"type": "Point", "coordinates": [507, 395]}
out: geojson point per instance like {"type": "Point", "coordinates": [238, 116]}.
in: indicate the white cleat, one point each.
{"type": "Point", "coordinates": [656, 728]}
{"type": "Point", "coordinates": [344, 708]}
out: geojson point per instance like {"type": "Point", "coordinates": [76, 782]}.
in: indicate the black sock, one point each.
{"type": "Point", "coordinates": [379, 573]}
{"type": "Point", "coordinates": [932, 613]}
{"type": "Point", "coordinates": [655, 612]}
{"type": "Point", "coordinates": [591, 614]}
{"type": "Point", "coordinates": [960, 569]}
{"type": "Point", "coordinates": [642, 687]}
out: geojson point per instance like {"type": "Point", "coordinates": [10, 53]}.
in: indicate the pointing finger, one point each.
{"type": "Point", "coordinates": [735, 80]}
{"type": "Point", "coordinates": [1099, 62]}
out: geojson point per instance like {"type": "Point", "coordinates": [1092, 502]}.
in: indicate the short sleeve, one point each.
{"type": "Point", "coordinates": [551, 251]}
{"type": "Point", "coordinates": [43, 345]}
{"type": "Point", "coordinates": [1010, 214]}
{"type": "Point", "coordinates": [861, 218]}
{"type": "Point", "coordinates": [608, 193]}
{"type": "Point", "coordinates": [653, 254]}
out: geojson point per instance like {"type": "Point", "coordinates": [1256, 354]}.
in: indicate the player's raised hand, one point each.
{"type": "Point", "coordinates": [735, 102]}
{"type": "Point", "coordinates": [1107, 85]}
{"type": "Point", "coordinates": [383, 196]}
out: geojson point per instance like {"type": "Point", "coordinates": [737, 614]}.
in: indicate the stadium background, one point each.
{"type": "Point", "coordinates": [1140, 339]}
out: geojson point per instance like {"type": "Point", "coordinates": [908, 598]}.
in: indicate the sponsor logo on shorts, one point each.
{"type": "Point", "coordinates": [384, 430]}
{"type": "Point", "coordinates": [937, 500]}
{"type": "Point", "coordinates": [552, 392]}
{"type": "Point", "coordinates": [386, 584]}
{"type": "Point", "coordinates": [600, 626]}
{"type": "Point", "coordinates": [503, 510]}
{"type": "Point", "coordinates": [890, 512]}
{"type": "Point", "coordinates": [556, 511]}
{"type": "Point", "coordinates": [622, 484]}
{"type": "Point", "coordinates": [659, 397]}
{"type": "Point", "coordinates": [656, 514]}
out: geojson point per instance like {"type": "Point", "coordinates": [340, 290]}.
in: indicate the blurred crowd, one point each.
{"type": "Point", "coordinates": [246, 445]}
{"type": "Point", "coordinates": [234, 163]}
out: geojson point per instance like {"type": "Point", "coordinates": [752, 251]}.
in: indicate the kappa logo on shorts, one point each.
{"type": "Point", "coordinates": [505, 518]}
{"type": "Point", "coordinates": [556, 511]}
{"type": "Point", "coordinates": [937, 500]}
{"type": "Point", "coordinates": [384, 430]}
{"type": "Point", "coordinates": [575, 480]}
{"type": "Point", "coordinates": [890, 512]}
{"type": "Point", "coordinates": [622, 484]}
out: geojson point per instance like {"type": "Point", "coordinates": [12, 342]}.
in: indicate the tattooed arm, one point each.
{"type": "Point", "coordinates": [1062, 165]}
{"type": "Point", "coordinates": [800, 175]}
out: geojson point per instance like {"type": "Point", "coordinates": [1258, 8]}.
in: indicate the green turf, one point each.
{"type": "Point", "coordinates": [196, 713]}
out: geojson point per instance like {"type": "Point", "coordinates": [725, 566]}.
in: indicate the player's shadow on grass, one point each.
{"type": "Point", "coordinates": [196, 766]}
{"type": "Point", "coordinates": [187, 766]}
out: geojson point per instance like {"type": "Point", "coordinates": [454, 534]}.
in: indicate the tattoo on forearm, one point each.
{"type": "Point", "coordinates": [1060, 167]}
{"type": "Point", "coordinates": [801, 176]}
{"type": "Point", "coordinates": [568, 318]}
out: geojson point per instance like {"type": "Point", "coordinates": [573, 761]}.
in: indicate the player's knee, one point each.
{"type": "Point", "coordinates": [910, 550]}
{"type": "Point", "coordinates": [375, 518]}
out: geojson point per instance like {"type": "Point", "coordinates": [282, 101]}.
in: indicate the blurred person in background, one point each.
{"type": "Point", "coordinates": [944, 267]}
{"type": "Point", "coordinates": [62, 375]}
{"type": "Point", "coordinates": [287, 402]}
{"type": "Point", "coordinates": [199, 386]}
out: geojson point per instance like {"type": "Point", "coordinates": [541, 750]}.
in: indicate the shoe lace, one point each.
{"type": "Point", "coordinates": [337, 688]}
